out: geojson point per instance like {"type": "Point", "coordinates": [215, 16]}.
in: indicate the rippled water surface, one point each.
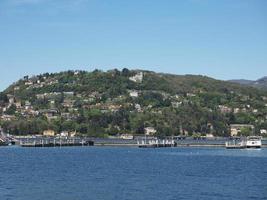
{"type": "Point", "coordinates": [80, 173]}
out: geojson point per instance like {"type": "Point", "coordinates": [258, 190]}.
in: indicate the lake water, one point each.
{"type": "Point", "coordinates": [80, 173]}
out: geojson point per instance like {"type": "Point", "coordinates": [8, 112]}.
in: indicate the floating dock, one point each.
{"type": "Point", "coordinates": [235, 144]}
{"type": "Point", "coordinates": [56, 143]}
{"type": "Point", "coordinates": [156, 143]}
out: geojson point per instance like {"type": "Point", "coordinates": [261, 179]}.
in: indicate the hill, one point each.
{"type": "Point", "coordinates": [129, 101]}
{"type": "Point", "coordinates": [260, 83]}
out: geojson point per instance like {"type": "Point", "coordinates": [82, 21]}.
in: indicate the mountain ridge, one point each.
{"type": "Point", "coordinates": [259, 83]}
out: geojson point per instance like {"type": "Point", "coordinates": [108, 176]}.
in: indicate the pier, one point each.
{"type": "Point", "coordinates": [55, 142]}
{"type": "Point", "coordinates": [235, 144]}
{"type": "Point", "coordinates": [156, 143]}
{"type": "Point", "coordinates": [139, 141]}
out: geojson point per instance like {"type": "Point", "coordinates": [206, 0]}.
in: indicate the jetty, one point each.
{"type": "Point", "coordinates": [156, 143]}
{"type": "Point", "coordinates": [234, 144]}
{"type": "Point", "coordinates": [55, 142]}
{"type": "Point", "coordinates": [246, 142]}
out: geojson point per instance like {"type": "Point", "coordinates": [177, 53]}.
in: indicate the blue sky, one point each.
{"type": "Point", "coordinates": [223, 39]}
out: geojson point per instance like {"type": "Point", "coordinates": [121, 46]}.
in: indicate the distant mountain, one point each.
{"type": "Point", "coordinates": [260, 83]}
{"type": "Point", "coordinates": [242, 81]}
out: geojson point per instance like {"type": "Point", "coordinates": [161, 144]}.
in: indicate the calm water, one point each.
{"type": "Point", "coordinates": [130, 173]}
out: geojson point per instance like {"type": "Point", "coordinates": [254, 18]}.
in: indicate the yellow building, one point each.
{"type": "Point", "coordinates": [49, 133]}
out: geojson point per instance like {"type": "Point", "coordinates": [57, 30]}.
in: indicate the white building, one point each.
{"type": "Point", "coordinates": [133, 93]}
{"type": "Point", "coordinates": [236, 110]}
{"type": "Point", "coordinates": [150, 130]}
{"type": "Point", "coordinates": [209, 135]}
{"type": "Point", "coordinates": [137, 78]}
{"type": "Point", "coordinates": [127, 136]}
{"type": "Point", "coordinates": [64, 134]}
{"type": "Point", "coordinates": [138, 107]}
{"type": "Point", "coordinates": [176, 104]}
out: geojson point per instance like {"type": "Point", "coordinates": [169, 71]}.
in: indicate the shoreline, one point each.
{"type": "Point", "coordinates": [178, 145]}
{"type": "Point", "coordinates": [129, 145]}
{"type": "Point", "coordinates": [100, 142]}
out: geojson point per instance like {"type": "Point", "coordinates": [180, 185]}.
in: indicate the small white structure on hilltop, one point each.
{"type": "Point", "coordinates": [138, 78]}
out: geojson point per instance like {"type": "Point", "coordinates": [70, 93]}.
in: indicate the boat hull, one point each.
{"type": "Point", "coordinates": [253, 147]}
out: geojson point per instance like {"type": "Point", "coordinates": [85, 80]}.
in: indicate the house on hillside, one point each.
{"type": "Point", "coordinates": [28, 105]}
{"type": "Point", "coordinates": [11, 99]}
{"type": "Point", "coordinates": [237, 128]}
{"type": "Point", "coordinates": [138, 107]}
{"type": "Point", "coordinates": [28, 83]}
{"type": "Point", "coordinates": [7, 117]}
{"type": "Point", "coordinates": [138, 78]}
{"type": "Point", "coordinates": [16, 88]}
{"type": "Point", "coordinates": [133, 93]}
{"type": "Point", "coordinates": [50, 114]}
{"type": "Point", "coordinates": [225, 109]}
{"type": "Point", "coordinates": [176, 104]}
{"type": "Point", "coordinates": [255, 110]}
{"type": "Point", "coordinates": [40, 96]}
{"type": "Point", "coordinates": [236, 110]}
{"type": "Point", "coordinates": [68, 103]}
{"type": "Point", "coordinates": [263, 131]}
{"type": "Point", "coordinates": [18, 104]}
{"type": "Point", "coordinates": [190, 94]}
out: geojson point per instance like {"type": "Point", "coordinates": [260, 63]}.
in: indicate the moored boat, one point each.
{"type": "Point", "coordinates": [253, 142]}
{"type": "Point", "coordinates": [248, 142]}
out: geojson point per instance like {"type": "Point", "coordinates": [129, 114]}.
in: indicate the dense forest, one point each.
{"type": "Point", "coordinates": [116, 102]}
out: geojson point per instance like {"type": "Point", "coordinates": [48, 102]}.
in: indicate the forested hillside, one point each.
{"type": "Point", "coordinates": [116, 102]}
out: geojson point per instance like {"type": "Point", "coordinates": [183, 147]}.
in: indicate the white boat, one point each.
{"type": "Point", "coordinates": [249, 142]}
{"type": "Point", "coordinates": [253, 142]}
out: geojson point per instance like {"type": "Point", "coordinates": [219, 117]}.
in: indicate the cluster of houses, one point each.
{"type": "Point", "coordinates": [236, 129]}
{"type": "Point", "coordinates": [36, 82]}
{"type": "Point", "coordinates": [52, 133]}
{"type": "Point", "coordinates": [25, 109]}
{"type": "Point", "coordinates": [244, 109]}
